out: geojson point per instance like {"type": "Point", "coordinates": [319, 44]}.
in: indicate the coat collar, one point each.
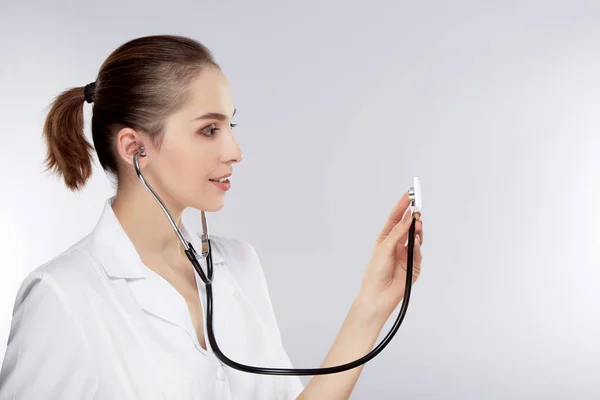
{"type": "Point", "coordinates": [117, 254]}
{"type": "Point", "coordinates": [118, 257]}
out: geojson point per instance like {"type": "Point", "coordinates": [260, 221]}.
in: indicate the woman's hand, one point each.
{"type": "Point", "coordinates": [385, 276]}
{"type": "Point", "coordinates": [381, 291]}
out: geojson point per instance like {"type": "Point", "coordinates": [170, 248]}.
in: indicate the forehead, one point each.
{"type": "Point", "coordinates": [210, 92]}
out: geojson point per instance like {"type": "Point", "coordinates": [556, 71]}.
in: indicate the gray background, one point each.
{"type": "Point", "coordinates": [495, 105]}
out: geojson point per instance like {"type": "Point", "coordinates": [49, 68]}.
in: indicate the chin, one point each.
{"type": "Point", "coordinates": [207, 199]}
{"type": "Point", "coordinates": [212, 205]}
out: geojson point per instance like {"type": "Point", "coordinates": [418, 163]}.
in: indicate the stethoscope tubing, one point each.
{"type": "Point", "coordinates": [207, 279]}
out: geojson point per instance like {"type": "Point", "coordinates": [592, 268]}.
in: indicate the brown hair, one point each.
{"type": "Point", "coordinates": [140, 84]}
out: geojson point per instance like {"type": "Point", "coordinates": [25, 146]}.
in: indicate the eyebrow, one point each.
{"type": "Point", "coordinates": [217, 116]}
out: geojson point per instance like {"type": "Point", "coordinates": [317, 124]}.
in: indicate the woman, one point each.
{"type": "Point", "coordinates": [119, 315]}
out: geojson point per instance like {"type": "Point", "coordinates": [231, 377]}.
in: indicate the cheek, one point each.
{"type": "Point", "coordinates": [189, 169]}
{"type": "Point", "coordinates": [172, 170]}
{"type": "Point", "coordinates": [186, 165]}
{"type": "Point", "coordinates": [173, 164]}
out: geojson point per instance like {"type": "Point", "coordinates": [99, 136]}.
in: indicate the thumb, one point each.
{"type": "Point", "coordinates": [399, 231]}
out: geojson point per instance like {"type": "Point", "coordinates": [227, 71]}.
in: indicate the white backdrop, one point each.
{"type": "Point", "coordinates": [495, 105]}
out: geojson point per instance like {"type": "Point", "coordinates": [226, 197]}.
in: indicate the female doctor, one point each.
{"type": "Point", "coordinates": [120, 314]}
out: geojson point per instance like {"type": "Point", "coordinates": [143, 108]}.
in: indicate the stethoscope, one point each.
{"type": "Point", "coordinates": [207, 278]}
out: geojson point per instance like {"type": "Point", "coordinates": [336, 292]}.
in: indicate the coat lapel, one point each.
{"type": "Point", "coordinates": [155, 295]}
{"type": "Point", "coordinates": [240, 332]}
{"type": "Point", "coordinates": [223, 292]}
{"type": "Point", "coordinates": [160, 299]}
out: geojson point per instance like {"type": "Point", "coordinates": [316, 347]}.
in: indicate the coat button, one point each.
{"type": "Point", "coordinates": [221, 373]}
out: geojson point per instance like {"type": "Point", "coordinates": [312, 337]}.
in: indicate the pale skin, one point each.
{"type": "Point", "coordinates": [198, 145]}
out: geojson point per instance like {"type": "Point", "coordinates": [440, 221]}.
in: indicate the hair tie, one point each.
{"type": "Point", "coordinates": [88, 92]}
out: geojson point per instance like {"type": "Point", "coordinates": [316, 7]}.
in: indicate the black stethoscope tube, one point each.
{"type": "Point", "coordinates": [300, 371]}
{"type": "Point", "coordinates": [208, 278]}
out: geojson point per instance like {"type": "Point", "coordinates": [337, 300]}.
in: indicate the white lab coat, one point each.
{"type": "Point", "coordinates": [95, 323]}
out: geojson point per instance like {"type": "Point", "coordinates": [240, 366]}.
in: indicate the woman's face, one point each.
{"type": "Point", "coordinates": [198, 147]}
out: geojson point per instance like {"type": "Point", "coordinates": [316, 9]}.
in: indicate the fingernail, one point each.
{"type": "Point", "coordinates": [418, 239]}
{"type": "Point", "coordinates": [406, 213]}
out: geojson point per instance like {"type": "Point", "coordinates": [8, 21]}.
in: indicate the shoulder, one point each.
{"type": "Point", "coordinates": [66, 277]}
{"type": "Point", "coordinates": [48, 300]}
{"type": "Point", "coordinates": [233, 249]}
{"type": "Point", "coordinates": [46, 339]}
{"type": "Point", "coordinates": [240, 258]}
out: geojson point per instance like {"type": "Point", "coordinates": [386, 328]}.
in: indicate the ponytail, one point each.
{"type": "Point", "coordinates": [68, 151]}
{"type": "Point", "coordinates": [139, 85]}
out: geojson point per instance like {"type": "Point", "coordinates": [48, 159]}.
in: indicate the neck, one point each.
{"type": "Point", "coordinates": [147, 225]}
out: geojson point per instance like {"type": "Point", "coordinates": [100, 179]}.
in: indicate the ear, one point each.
{"type": "Point", "coordinates": [128, 143]}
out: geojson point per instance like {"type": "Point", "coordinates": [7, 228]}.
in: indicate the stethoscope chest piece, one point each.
{"type": "Point", "coordinates": [206, 253]}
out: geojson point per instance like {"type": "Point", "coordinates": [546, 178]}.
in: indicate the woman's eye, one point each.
{"type": "Point", "coordinates": [210, 130]}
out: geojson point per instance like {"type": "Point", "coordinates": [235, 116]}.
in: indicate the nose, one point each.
{"type": "Point", "coordinates": [233, 152]}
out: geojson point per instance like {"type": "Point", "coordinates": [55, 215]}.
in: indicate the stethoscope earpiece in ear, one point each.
{"type": "Point", "coordinates": [192, 255]}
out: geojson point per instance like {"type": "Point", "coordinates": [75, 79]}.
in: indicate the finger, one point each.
{"type": "Point", "coordinates": [417, 253]}
{"type": "Point", "coordinates": [417, 258]}
{"type": "Point", "coordinates": [395, 216]}
{"type": "Point", "coordinates": [399, 231]}
{"type": "Point", "coordinates": [418, 229]}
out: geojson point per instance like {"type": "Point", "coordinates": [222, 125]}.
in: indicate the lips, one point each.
{"type": "Point", "coordinates": [221, 179]}
{"type": "Point", "coordinates": [222, 183]}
